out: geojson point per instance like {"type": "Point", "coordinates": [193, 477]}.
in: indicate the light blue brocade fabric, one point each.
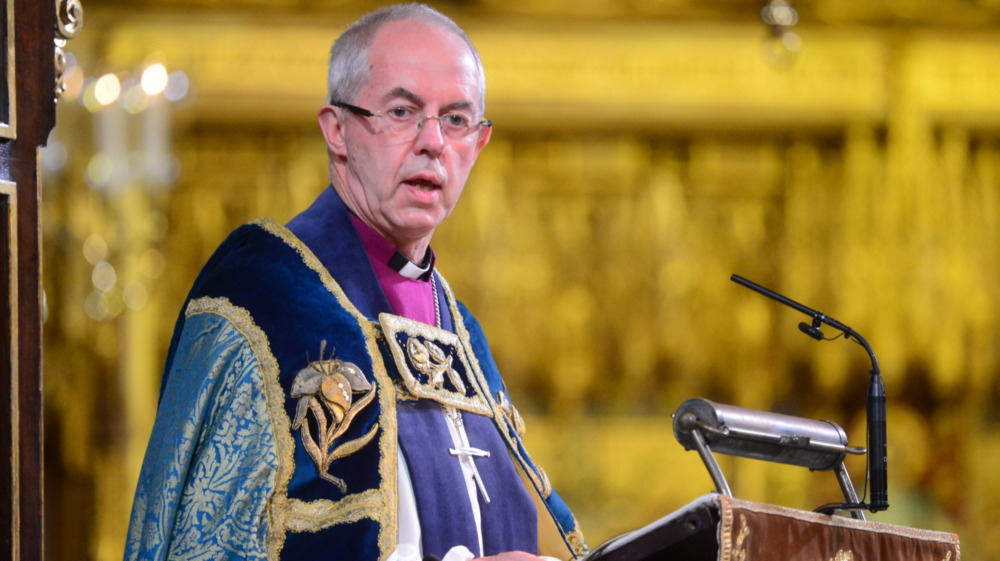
{"type": "Point", "coordinates": [210, 467]}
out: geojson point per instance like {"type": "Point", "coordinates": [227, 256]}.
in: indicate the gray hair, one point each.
{"type": "Point", "coordinates": [349, 56]}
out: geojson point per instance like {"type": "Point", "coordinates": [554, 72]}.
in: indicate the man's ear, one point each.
{"type": "Point", "coordinates": [332, 126]}
{"type": "Point", "coordinates": [484, 138]}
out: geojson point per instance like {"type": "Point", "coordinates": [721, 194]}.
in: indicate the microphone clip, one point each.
{"type": "Point", "coordinates": [814, 330]}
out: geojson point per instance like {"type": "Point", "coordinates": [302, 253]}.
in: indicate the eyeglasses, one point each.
{"type": "Point", "coordinates": [405, 123]}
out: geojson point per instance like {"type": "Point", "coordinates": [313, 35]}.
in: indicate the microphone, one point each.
{"type": "Point", "coordinates": [877, 444]}
{"type": "Point", "coordinates": [812, 330]}
{"type": "Point", "coordinates": [875, 398]}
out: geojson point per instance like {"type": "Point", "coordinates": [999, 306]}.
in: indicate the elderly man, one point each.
{"type": "Point", "coordinates": [325, 394]}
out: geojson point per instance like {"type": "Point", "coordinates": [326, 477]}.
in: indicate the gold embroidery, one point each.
{"type": "Point", "coordinates": [739, 549]}
{"type": "Point", "coordinates": [843, 556]}
{"type": "Point", "coordinates": [510, 413]}
{"type": "Point", "coordinates": [377, 329]}
{"type": "Point", "coordinates": [383, 507]}
{"type": "Point", "coordinates": [326, 389]}
{"type": "Point", "coordinates": [543, 478]}
{"type": "Point", "coordinates": [430, 360]}
{"type": "Point", "coordinates": [725, 527]}
{"type": "Point", "coordinates": [403, 394]}
{"type": "Point", "coordinates": [431, 363]}
{"type": "Point", "coordinates": [313, 516]}
{"type": "Point", "coordinates": [576, 542]}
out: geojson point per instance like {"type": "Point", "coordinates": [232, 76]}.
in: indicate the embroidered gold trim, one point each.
{"type": "Point", "coordinates": [728, 506]}
{"type": "Point", "coordinates": [510, 413]}
{"type": "Point", "coordinates": [403, 394]}
{"type": "Point", "coordinates": [725, 528]}
{"type": "Point", "coordinates": [432, 358]}
{"type": "Point", "coordinates": [576, 541]}
{"type": "Point", "coordinates": [543, 478]}
{"type": "Point", "coordinates": [312, 516]}
{"type": "Point", "coordinates": [241, 319]}
{"type": "Point", "coordinates": [840, 521]}
{"type": "Point", "coordinates": [383, 509]}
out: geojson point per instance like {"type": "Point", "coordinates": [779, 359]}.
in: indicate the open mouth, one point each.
{"type": "Point", "coordinates": [423, 184]}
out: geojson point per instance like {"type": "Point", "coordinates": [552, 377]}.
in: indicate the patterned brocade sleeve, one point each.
{"type": "Point", "coordinates": [210, 467]}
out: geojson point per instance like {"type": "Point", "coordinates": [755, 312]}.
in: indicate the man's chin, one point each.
{"type": "Point", "coordinates": [413, 230]}
{"type": "Point", "coordinates": [419, 222]}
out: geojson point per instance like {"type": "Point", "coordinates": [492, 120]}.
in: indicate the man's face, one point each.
{"type": "Point", "coordinates": [404, 185]}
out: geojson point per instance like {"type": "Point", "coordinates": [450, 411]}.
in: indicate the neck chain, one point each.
{"type": "Point", "coordinates": [437, 303]}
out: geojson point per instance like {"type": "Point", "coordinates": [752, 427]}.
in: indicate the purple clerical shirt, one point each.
{"type": "Point", "coordinates": [413, 299]}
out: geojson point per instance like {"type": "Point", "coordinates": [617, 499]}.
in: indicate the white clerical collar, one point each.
{"type": "Point", "coordinates": [399, 263]}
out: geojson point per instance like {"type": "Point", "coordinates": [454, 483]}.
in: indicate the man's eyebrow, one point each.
{"type": "Point", "coordinates": [458, 105]}
{"type": "Point", "coordinates": [407, 94]}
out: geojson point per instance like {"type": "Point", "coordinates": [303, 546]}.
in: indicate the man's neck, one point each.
{"type": "Point", "coordinates": [381, 248]}
{"type": "Point", "coordinates": [415, 251]}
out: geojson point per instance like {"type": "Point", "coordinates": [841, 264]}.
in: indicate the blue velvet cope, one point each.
{"type": "Point", "coordinates": [261, 273]}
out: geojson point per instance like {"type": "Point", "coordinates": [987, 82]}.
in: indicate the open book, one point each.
{"type": "Point", "coordinates": [687, 534]}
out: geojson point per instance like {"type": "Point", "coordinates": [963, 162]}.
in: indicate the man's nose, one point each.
{"type": "Point", "coordinates": [430, 136]}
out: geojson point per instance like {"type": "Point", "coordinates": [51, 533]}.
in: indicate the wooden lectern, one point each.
{"type": "Point", "coordinates": [720, 528]}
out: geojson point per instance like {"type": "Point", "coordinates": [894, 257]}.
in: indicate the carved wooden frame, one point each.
{"type": "Point", "coordinates": [8, 369]}
{"type": "Point", "coordinates": [8, 97]}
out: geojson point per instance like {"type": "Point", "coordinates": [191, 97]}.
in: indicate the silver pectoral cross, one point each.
{"type": "Point", "coordinates": [466, 452]}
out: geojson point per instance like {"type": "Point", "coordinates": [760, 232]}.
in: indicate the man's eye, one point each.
{"type": "Point", "coordinates": [456, 120]}
{"type": "Point", "coordinates": [403, 113]}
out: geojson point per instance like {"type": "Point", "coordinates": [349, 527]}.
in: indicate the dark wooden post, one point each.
{"type": "Point", "coordinates": [33, 32]}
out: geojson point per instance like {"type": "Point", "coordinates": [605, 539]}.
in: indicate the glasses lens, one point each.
{"type": "Point", "coordinates": [456, 125]}
{"type": "Point", "coordinates": [451, 128]}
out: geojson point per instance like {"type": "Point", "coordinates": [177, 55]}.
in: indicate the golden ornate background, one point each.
{"type": "Point", "coordinates": [643, 152]}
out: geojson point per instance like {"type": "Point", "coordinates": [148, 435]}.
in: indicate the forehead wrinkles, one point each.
{"type": "Point", "coordinates": [420, 60]}
{"type": "Point", "coordinates": [454, 94]}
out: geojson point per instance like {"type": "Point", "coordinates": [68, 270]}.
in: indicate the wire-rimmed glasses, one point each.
{"type": "Point", "coordinates": [405, 122]}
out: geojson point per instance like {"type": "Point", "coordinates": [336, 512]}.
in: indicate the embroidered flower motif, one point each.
{"type": "Point", "coordinates": [333, 391]}
{"type": "Point", "coordinates": [431, 361]}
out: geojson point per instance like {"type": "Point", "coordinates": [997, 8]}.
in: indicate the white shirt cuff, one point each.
{"type": "Point", "coordinates": [407, 552]}
{"type": "Point", "coordinates": [458, 553]}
